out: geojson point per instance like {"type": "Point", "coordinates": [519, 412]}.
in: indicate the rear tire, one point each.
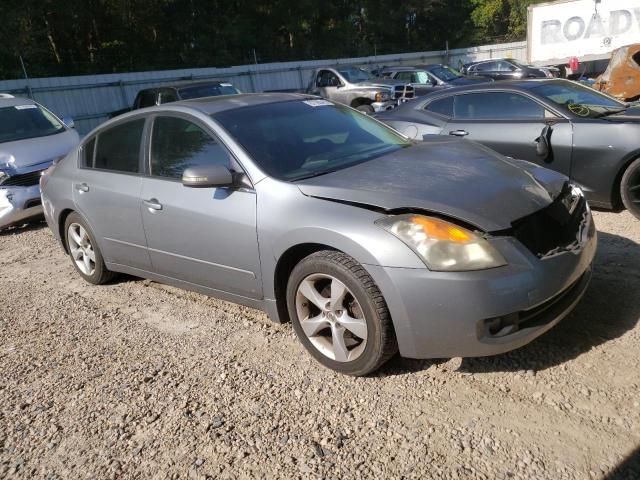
{"type": "Point", "coordinates": [368, 109]}
{"type": "Point", "coordinates": [84, 251]}
{"type": "Point", "coordinates": [346, 326]}
{"type": "Point", "coordinates": [630, 188]}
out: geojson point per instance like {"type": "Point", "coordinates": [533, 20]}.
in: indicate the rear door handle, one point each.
{"type": "Point", "coordinates": [459, 133]}
{"type": "Point", "coordinates": [82, 187]}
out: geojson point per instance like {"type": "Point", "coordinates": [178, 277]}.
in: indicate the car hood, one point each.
{"type": "Point", "coordinates": [34, 151]}
{"type": "Point", "coordinates": [381, 82]}
{"type": "Point", "coordinates": [451, 177]}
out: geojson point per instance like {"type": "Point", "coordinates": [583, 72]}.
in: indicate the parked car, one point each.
{"type": "Point", "coordinates": [323, 216]}
{"type": "Point", "coordinates": [621, 79]}
{"type": "Point", "coordinates": [507, 69]}
{"type": "Point", "coordinates": [359, 89]}
{"type": "Point", "coordinates": [150, 97]}
{"type": "Point", "coordinates": [590, 137]}
{"type": "Point", "coordinates": [31, 140]}
{"type": "Point", "coordinates": [428, 78]}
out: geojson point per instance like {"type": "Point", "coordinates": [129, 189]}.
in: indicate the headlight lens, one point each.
{"type": "Point", "coordinates": [443, 246]}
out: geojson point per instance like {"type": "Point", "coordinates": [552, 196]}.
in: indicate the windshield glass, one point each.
{"type": "Point", "coordinates": [445, 74]}
{"type": "Point", "coordinates": [300, 139]}
{"type": "Point", "coordinates": [201, 91]}
{"type": "Point", "coordinates": [27, 121]}
{"type": "Point", "coordinates": [577, 99]}
{"type": "Point", "coordinates": [355, 75]}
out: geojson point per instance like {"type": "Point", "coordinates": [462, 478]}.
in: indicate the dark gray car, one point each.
{"type": "Point", "coordinates": [325, 217]}
{"type": "Point", "coordinates": [590, 137]}
{"type": "Point", "coordinates": [506, 69]}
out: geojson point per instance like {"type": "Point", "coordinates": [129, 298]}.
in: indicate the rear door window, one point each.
{"type": "Point", "coordinates": [118, 147]}
{"type": "Point", "coordinates": [177, 144]}
{"type": "Point", "coordinates": [496, 106]}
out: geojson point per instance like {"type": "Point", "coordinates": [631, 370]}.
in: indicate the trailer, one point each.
{"type": "Point", "coordinates": [580, 33]}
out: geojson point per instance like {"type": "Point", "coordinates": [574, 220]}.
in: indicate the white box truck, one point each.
{"type": "Point", "coordinates": [588, 30]}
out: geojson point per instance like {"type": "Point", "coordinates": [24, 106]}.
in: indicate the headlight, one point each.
{"type": "Point", "coordinates": [383, 97]}
{"type": "Point", "coordinates": [443, 246]}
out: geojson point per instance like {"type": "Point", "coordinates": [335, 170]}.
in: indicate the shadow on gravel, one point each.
{"type": "Point", "coordinates": [607, 311]}
{"type": "Point", "coordinates": [629, 469]}
{"type": "Point", "coordinates": [29, 226]}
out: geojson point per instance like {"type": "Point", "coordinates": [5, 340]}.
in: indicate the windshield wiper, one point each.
{"type": "Point", "coordinates": [312, 175]}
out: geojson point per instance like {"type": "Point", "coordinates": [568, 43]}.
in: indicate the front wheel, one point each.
{"type": "Point", "coordinates": [630, 188]}
{"type": "Point", "coordinates": [339, 314]}
{"type": "Point", "coordinates": [368, 109]}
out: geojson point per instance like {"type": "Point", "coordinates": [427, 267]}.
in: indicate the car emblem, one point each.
{"type": "Point", "coordinates": [570, 201]}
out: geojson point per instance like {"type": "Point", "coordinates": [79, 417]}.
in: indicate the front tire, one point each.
{"type": "Point", "coordinates": [339, 314]}
{"type": "Point", "coordinates": [630, 188]}
{"type": "Point", "coordinates": [368, 109]}
{"type": "Point", "coordinates": [84, 251]}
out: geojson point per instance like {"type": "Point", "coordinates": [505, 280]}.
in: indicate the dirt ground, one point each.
{"type": "Point", "coordinates": [139, 380]}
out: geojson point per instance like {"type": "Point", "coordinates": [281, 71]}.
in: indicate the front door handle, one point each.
{"type": "Point", "coordinates": [81, 187]}
{"type": "Point", "coordinates": [152, 204]}
{"type": "Point", "coordinates": [459, 133]}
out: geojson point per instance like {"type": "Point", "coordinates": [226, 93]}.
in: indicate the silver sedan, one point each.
{"type": "Point", "coordinates": [367, 242]}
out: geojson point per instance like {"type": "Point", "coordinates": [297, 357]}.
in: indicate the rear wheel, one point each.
{"type": "Point", "coordinates": [630, 188]}
{"type": "Point", "coordinates": [339, 314]}
{"type": "Point", "coordinates": [368, 109]}
{"type": "Point", "coordinates": [84, 252]}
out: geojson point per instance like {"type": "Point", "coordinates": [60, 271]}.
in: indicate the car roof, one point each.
{"type": "Point", "coordinates": [187, 83]}
{"type": "Point", "coordinates": [14, 101]}
{"type": "Point", "coordinates": [405, 68]}
{"type": "Point", "coordinates": [211, 105]}
{"type": "Point", "coordinates": [516, 85]}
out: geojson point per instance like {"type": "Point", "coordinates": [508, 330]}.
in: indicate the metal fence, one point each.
{"type": "Point", "coordinates": [89, 99]}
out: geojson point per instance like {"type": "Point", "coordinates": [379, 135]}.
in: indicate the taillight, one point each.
{"type": "Point", "coordinates": [44, 176]}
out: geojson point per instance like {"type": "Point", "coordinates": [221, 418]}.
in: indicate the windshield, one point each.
{"type": "Point", "coordinates": [213, 90]}
{"type": "Point", "coordinates": [445, 74]}
{"type": "Point", "coordinates": [577, 99]}
{"type": "Point", "coordinates": [355, 75]}
{"type": "Point", "coordinates": [300, 139]}
{"type": "Point", "coordinates": [27, 121]}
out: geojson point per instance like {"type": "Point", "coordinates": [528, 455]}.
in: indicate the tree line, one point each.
{"type": "Point", "coordinates": [75, 37]}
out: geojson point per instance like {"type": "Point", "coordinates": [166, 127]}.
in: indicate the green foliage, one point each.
{"type": "Point", "coordinates": [73, 37]}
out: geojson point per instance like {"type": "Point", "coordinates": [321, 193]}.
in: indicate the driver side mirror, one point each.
{"type": "Point", "coordinates": [543, 144]}
{"type": "Point", "coordinates": [207, 176]}
{"type": "Point", "coordinates": [68, 121]}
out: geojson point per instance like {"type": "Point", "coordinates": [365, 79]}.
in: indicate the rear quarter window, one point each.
{"type": "Point", "coordinates": [118, 147]}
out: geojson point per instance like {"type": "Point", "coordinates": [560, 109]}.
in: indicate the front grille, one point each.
{"type": "Point", "coordinates": [406, 91]}
{"type": "Point", "coordinates": [23, 180]}
{"type": "Point", "coordinates": [555, 228]}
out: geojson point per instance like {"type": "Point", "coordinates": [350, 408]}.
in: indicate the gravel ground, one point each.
{"type": "Point", "coordinates": [140, 380]}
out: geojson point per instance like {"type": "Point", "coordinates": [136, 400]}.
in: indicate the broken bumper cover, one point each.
{"type": "Point", "coordinates": [18, 204]}
{"type": "Point", "coordinates": [470, 314]}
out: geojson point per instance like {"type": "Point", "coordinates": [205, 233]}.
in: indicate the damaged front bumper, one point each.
{"type": "Point", "coordinates": [18, 204]}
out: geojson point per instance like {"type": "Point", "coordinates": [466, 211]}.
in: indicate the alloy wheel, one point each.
{"type": "Point", "coordinates": [331, 317]}
{"type": "Point", "coordinates": [81, 249]}
{"type": "Point", "coordinates": [633, 188]}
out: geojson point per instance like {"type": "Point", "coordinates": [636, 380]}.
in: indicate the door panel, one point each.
{"type": "Point", "coordinates": [205, 236]}
{"type": "Point", "coordinates": [517, 140]}
{"type": "Point", "coordinates": [107, 190]}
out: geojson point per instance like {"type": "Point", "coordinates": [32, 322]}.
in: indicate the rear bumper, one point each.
{"type": "Point", "coordinates": [470, 314]}
{"type": "Point", "coordinates": [18, 204]}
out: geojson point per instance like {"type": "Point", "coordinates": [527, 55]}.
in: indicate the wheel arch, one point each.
{"type": "Point", "coordinates": [616, 195]}
{"type": "Point", "coordinates": [359, 101]}
{"type": "Point", "coordinates": [62, 218]}
{"type": "Point", "coordinates": [285, 264]}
